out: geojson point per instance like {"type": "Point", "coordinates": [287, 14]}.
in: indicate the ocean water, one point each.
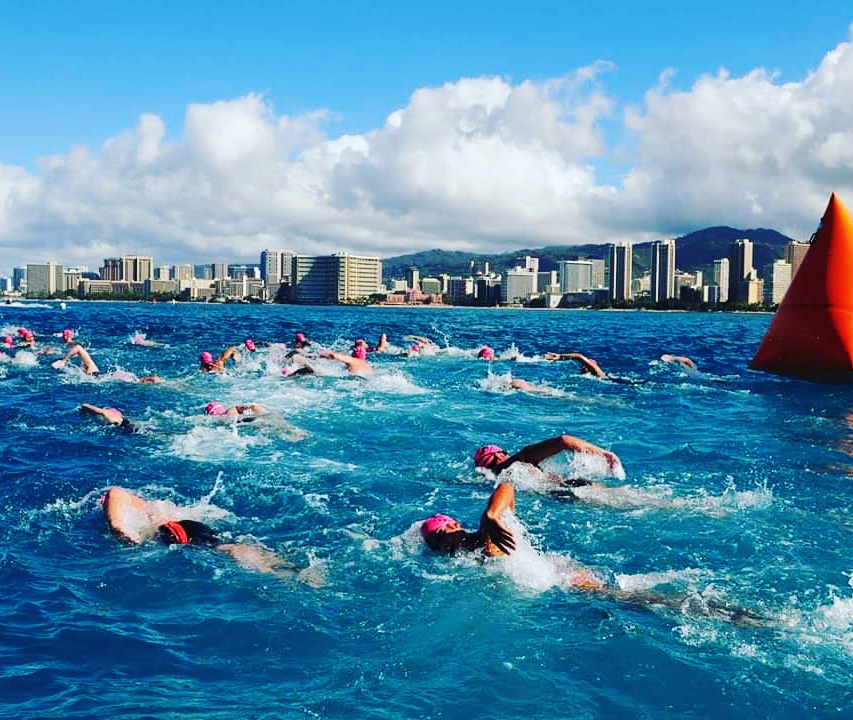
{"type": "Point", "coordinates": [736, 491]}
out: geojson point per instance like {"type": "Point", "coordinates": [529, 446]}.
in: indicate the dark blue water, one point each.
{"type": "Point", "coordinates": [737, 489]}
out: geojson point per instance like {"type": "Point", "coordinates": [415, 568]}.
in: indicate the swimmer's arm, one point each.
{"type": "Point", "coordinates": [330, 355]}
{"type": "Point", "coordinates": [536, 453]}
{"type": "Point", "coordinates": [499, 539]}
{"type": "Point", "coordinates": [680, 359]}
{"type": "Point", "coordinates": [253, 408]}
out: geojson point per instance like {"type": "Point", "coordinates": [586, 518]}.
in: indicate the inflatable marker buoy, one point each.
{"type": "Point", "coordinates": [811, 335]}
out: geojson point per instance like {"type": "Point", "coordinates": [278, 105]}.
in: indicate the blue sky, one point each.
{"type": "Point", "coordinates": [81, 75]}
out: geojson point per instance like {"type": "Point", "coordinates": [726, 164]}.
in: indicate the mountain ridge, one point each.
{"type": "Point", "coordinates": [694, 251]}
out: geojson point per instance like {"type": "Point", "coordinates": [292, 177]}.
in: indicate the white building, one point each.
{"type": "Point", "coordinates": [575, 275]}
{"type": "Point", "coordinates": [777, 280]}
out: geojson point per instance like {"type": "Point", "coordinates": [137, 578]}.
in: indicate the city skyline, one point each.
{"type": "Point", "coordinates": [281, 275]}
{"type": "Point", "coordinates": [492, 127]}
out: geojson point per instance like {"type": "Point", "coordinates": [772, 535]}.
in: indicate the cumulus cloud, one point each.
{"type": "Point", "coordinates": [480, 165]}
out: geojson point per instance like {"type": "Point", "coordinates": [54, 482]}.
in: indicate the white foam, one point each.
{"type": "Point", "coordinates": [216, 443]}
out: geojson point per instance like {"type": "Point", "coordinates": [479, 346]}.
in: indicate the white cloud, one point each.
{"type": "Point", "coordinates": [480, 164]}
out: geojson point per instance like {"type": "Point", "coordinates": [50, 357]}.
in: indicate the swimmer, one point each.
{"type": "Point", "coordinates": [249, 344]}
{"type": "Point", "coordinates": [136, 520]}
{"type": "Point", "coordinates": [142, 341]}
{"type": "Point", "coordinates": [493, 538]}
{"type": "Point", "coordinates": [150, 379]}
{"type": "Point", "coordinates": [28, 338]}
{"type": "Point", "coordinates": [486, 353]}
{"type": "Point", "coordinates": [300, 345]}
{"type": "Point", "coordinates": [68, 336]}
{"type": "Point", "coordinates": [680, 360]}
{"type": "Point", "coordinates": [381, 346]}
{"type": "Point", "coordinates": [496, 459]}
{"type": "Point", "coordinates": [299, 366]}
{"type": "Point", "coordinates": [89, 366]}
{"type": "Point", "coordinates": [588, 366]}
{"type": "Point", "coordinates": [111, 415]}
{"type": "Point", "coordinates": [356, 363]}
{"type": "Point", "coordinates": [445, 535]}
{"type": "Point", "coordinates": [208, 364]}
{"type": "Point", "coordinates": [300, 342]}
{"type": "Point", "coordinates": [218, 409]}
{"type": "Point", "coordinates": [8, 342]}
{"type": "Point", "coordinates": [423, 342]}
{"type": "Point", "coordinates": [529, 387]}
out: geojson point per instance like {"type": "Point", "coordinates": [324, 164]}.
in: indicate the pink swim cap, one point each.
{"type": "Point", "coordinates": [434, 524]}
{"type": "Point", "coordinates": [300, 337]}
{"type": "Point", "coordinates": [215, 408]}
{"type": "Point", "coordinates": [8, 341]}
{"type": "Point", "coordinates": [486, 353]}
{"type": "Point", "coordinates": [68, 334]}
{"type": "Point", "coordinates": [360, 353]}
{"type": "Point", "coordinates": [22, 331]}
{"type": "Point", "coordinates": [415, 347]}
{"type": "Point", "coordinates": [206, 358]}
{"type": "Point", "coordinates": [250, 345]}
{"type": "Point", "coordinates": [487, 455]}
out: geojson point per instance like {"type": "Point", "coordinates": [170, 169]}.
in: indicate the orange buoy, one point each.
{"type": "Point", "coordinates": [811, 336]}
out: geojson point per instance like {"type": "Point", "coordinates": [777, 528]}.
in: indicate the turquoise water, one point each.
{"type": "Point", "coordinates": [736, 489]}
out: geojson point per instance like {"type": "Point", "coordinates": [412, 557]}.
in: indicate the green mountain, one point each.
{"type": "Point", "coordinates": [694, 251]}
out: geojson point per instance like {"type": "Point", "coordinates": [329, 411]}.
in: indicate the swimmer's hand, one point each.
{"type": "Point", "coordinates": [496, 534]}
{"type": "Point", "coordinates": [58, 364]}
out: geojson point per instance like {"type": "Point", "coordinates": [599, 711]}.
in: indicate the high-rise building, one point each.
{"type": "Point", "coordinates": [112, 269]}
{"type": "Point", "coordinates": [431, 286]}
{"type": "Point", "coordinates": [721, 280]}
{"type": "Point", "coordinates": [137, 268]}
{"type": "Point", "coordinates": [315, 280]}
{"type": "Point", "coordinates": [518, 285]}
{"type": "Point", "coordinates": [794, 254]}
{"type": "Point", "coordinates": [461, 290]}
{"type": "Point", "coordinates": [277, 267]}
{"type": "Point", "coordinates": [358, 277]}
{"type": "Point", "coordinates": [71, 279]}
{"type": "Point", "coordinates": [128, 268]}
{"type": "Point", "coordinates": [599, 273]}
{"type": "Point", "coordinates": [575, 275]}
{"type": "Point", "coordinates": [529, 263]}
{"type": "Point", "coordinates": [44, 279]}
{"type": "Point", "coordinates": [330, 279]}
{"type": "Point", "coordinates": [740, 270]}
{"type": "Point", "coordinates": [621, 259]}
{"type": "Point", "coordinates": [219, 270]}
{"type": "Point", "coordinates": [547, 282]}
{"type": "Point", "coordinates": [662, 285]}
{"type": "Point", "coordinates": [162, 273]}
{"type": "Point", "coordinates": [413, 278]}
{"type": "Point", "coordinates": [777, 280]}
{"type": "Point", "coordinates": [182, 273]}
{"type": "Point", "coordinates": [19, 275]}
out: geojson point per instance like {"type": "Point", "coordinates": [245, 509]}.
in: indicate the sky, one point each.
{"type": "Point", "coordinates": [208, 132]}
